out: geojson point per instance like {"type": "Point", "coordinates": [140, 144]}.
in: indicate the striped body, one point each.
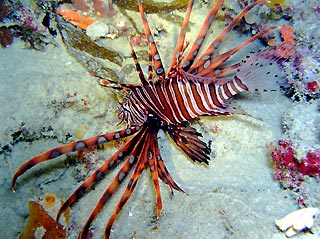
{"type": "Point", "coordinates": [178, 99]}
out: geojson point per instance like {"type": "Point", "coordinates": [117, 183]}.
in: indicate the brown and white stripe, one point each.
{"type": "Point", "coordinates": [179, 99]}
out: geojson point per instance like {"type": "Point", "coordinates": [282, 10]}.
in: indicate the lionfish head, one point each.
{"type": "Point", "coordinates": [130, 115]}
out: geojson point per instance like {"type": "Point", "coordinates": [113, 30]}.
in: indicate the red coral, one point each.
{"type": "Point", "coordinates": [286, 165]}
{"type": "Point", "coordinates": [286, 49]}
{"type": "Point", "coordinates": [29, 19]}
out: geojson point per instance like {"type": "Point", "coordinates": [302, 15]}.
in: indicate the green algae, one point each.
{"type": "Point", "coordinates": [150, 6]}
{"type": "Point", "coordinates": [273, 3]}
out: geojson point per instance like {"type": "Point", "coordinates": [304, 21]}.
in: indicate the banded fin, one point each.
{"type": "Point", "coordinates": [207, 61]}
{"type": "Point", "coordinates": [71, 147]}
{"type": "Point", "coordinates": [157, 63]}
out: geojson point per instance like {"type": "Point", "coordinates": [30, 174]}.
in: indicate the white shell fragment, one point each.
{"type": "Point", "coordinates": [297, 221]}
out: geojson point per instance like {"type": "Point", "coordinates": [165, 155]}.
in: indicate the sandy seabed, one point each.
{"type": "Point", "coordinates": [47, 97]}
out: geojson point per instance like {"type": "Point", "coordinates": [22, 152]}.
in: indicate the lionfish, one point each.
{"type": "Point", "coordinates": [194, 85]}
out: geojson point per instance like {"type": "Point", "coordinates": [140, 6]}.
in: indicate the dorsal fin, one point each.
{"type": "Point", "coordinates": [179, 46]}
{"type": "Point", "coordinates": [205, 60]}
{"type": "Point", "coordinates": [157, 63]}
{"type": "Point", "coordinates": [193, 53]}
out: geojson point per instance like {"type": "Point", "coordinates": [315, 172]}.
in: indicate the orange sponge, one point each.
{"type": "Point", "coordinates": [40, 224]}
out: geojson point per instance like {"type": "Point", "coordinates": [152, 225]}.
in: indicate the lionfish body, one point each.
{"type": "Point", "coordinates": [176, 100]}
{"type": "Point", "coordinates": [193, 86]}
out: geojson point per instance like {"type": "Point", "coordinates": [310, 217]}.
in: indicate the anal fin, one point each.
{"type": "Point", "coordinates": [187, 139]}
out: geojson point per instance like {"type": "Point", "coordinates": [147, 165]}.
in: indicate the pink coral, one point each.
{"type": "Point", "coordinates": [313, 87]}
{"type": "Point", "coordinates": [285, 159]}
{"type": "Point", "coordinates": [29, 19]}
{"type": "Point", "coordinates": [310, 164]}
{"type": "Point", "coordinates": [290, 170]}
{"type": "Point", "coordinates": [286, 165]}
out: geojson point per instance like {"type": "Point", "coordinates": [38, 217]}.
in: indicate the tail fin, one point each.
{"type": "Point", "coordinates": [261, 72]}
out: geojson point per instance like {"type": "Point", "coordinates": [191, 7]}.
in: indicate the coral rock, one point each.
{"type": "Point", "coordinates": [297, 221]}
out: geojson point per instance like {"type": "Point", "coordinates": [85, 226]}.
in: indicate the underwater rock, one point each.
{"type": "Point", "coordinates": [3, 10]}
{"type": "Point", "coordinates": [6, 38]}
{"type": "Point", "coordinates": [88, 53]}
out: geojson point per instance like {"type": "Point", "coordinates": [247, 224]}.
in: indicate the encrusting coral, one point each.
{"type": "Point", "coordinates": [75, 18]}
{"type": "Point", "coordinates": [78, 12]}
